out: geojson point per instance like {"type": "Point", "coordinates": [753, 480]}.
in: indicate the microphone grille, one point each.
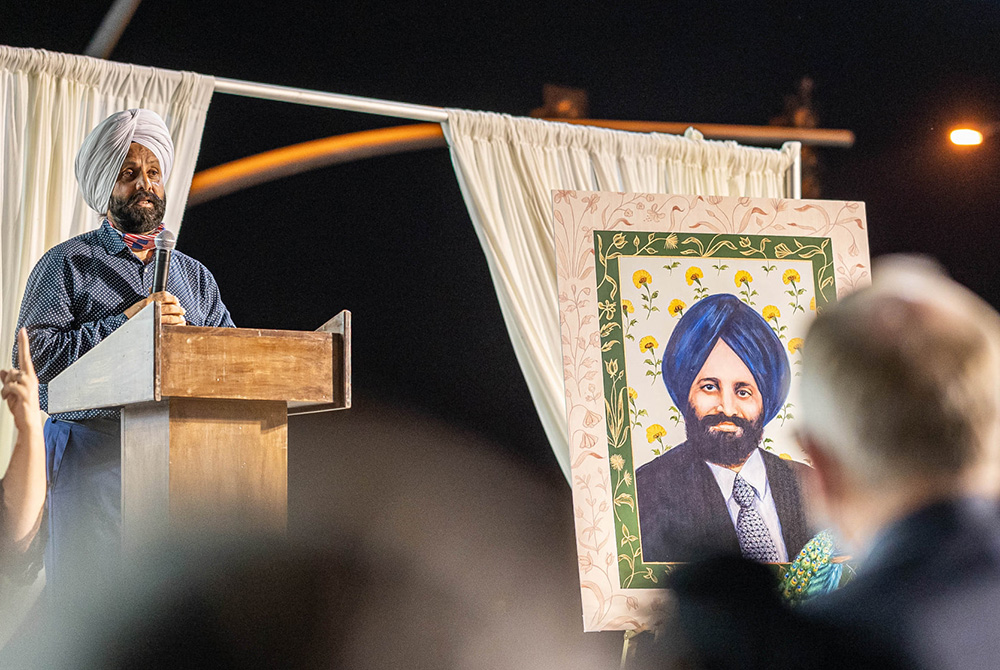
{"type": "Point", "coordinates": [166, 240]}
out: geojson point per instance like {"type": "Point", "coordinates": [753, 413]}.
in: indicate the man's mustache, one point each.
{"type": "Point", "coordinates": [716, 419]}
{"type": "Point", "coordinates": [138, 196]}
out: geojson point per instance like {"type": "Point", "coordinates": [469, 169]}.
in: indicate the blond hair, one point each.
{"type": "Point", "coordinates": [902, 379]}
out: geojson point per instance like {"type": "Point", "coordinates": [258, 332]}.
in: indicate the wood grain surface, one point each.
{"type": "Point", "coordinates": [246, 364]}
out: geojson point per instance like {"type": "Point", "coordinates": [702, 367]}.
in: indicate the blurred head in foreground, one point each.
{"type": "Point", "coordinates": [202, 601]}
{"type": "Point", "coordinates": [900, 397]}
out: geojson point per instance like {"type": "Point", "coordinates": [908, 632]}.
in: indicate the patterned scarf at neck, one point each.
{"type": "Point", "coordinates": [138, 242]}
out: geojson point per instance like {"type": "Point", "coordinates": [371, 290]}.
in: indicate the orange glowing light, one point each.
{"type": "Point", "coordinates": [966, 137]}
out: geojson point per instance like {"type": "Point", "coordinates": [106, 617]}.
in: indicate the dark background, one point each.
{"type": "Point", "coordinates": [390, 238]}
{"type": "Point", "coordinates": [428, 329]}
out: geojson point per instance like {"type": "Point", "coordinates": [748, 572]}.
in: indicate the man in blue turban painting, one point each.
{"type": "Point", "coordinates": [719, 491]}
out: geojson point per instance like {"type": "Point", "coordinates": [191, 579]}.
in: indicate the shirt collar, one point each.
{"type": "Point", "coordinates": [752, 472]}
{"type": "Point", "coordinates": [110, 238]}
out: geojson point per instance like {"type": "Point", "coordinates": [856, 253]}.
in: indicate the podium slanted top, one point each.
{"type": "Point", "coordinates": [145, 361]}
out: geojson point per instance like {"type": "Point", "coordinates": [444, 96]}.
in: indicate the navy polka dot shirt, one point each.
{"type": "Point", "coordinates": [77, 295]}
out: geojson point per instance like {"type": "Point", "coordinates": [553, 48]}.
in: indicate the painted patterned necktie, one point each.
{"type": "Point", "coordinates": [755, 540]}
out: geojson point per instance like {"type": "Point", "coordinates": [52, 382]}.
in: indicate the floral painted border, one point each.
{"type": "Point", "coordinates": [609, 246]}
{"type": "Point", "coordinates": [577, 214]}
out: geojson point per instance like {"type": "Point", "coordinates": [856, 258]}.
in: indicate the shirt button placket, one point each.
{"type": "Point", "coordinates": [147, 278]}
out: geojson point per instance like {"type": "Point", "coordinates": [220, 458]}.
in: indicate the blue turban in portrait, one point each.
{"type": "Point", "coordinates": [724, 316]}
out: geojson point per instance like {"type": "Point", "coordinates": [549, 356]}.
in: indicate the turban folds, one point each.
{"type": "Point", "coordinates": [724, 316]}
{"type": "Point", "coordinates": [103, 151]}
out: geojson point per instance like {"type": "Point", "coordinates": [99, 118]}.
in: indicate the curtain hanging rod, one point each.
{"type": "Point", "coordinates": [353, 103]}
{"type": "Point", "coordinates": [757, 135]}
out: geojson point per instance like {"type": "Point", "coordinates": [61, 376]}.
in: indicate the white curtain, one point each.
{"type": "Point", "coordinates": [507, 168]}
{"type": "Point", "coordinates": [48, 104]}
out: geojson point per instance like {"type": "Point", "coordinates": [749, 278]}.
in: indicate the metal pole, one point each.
{"type": "Point", "coordinates": [351, 103]}
{"type": "Point", "coordinates": [110, 31]}
{"type": "Point", "coordinates": [793, 185]}
{"type": "Point", "coordinates": [770, 136]}
{"type": "Point", "coordinates": [749, 135]}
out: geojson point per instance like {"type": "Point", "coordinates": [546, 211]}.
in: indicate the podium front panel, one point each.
{"type": "Point", "coordinates": [246, 364]}
{"type": "Point", "coordinates": [190, 464]}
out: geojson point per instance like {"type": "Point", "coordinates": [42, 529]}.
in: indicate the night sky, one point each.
{"type": "Point", "coordinates": [390, 238]}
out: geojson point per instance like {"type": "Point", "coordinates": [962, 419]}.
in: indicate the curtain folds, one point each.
{"type": "Point", "coordinates": [507, 168]}
{"type": "Point", "coordinates": [48, 103]}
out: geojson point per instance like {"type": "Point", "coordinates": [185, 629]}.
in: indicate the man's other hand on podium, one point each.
{"type": "Point", "coordinates": [171, 312]}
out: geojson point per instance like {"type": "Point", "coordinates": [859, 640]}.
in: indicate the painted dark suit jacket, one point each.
{"type": "Point", "coordinates": [683, 514]}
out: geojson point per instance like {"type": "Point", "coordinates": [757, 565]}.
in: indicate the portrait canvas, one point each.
{"type": "Point", "coordinates": [683, 324]}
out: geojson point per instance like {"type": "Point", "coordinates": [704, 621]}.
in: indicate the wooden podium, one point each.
{"type": "Point", "coordinates": [204, 415]}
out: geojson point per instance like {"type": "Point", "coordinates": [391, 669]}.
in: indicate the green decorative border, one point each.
{"type": "Point", "coordinates": [609, 246]}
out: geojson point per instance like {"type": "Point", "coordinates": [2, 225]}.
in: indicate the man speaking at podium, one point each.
{"type": "Point", "coordinates": [79, 293]}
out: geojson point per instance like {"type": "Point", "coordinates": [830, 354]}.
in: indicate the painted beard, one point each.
{"type": "Point", "coordinates": [723, 448]}
{"type": "Point", "coordinates": [130, 217]}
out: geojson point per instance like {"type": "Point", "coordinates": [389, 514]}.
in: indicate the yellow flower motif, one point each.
{"type": "Point", "coordinates": [794, 344]}
{"type": "Point", "coordinates": [771, 312]}
{"type": "Point", "coordinates": [742, 277]}
{"type": "Point", "coordinates": [632, 393]}
{"type": "Point", "coordinates": [784, 456]}
{"type": "Point", "coordinates": [693, 274]}
{"type": "Point", "coordinates": [627, 478]}
{"type": "Point", "coordinates": [791, 275]}
{"type": "Point", "coordinates": [812, 303]}
{"type": "Point", "coordinates": [617, 462]}
{"type": "Point", "coordinates": [676, 307]}
{"type": "Point", "coordinates": [647, 343]}
{"type": "Point", "coordinates": [627, 306]}
{"type": "Point", "coordinates": [640, 277]}
{"type": "Point", "coordinates": [654, 432]}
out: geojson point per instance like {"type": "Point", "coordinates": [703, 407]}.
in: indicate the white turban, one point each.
{"type": "Point", "coordinates": [103, 151]}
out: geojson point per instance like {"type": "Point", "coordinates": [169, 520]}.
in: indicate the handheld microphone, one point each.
{"type": "Point", "coordinates": [165, 243]}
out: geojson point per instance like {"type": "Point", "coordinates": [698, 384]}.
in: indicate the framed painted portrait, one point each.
{"type": "Point", "coordinates": [683, 322]}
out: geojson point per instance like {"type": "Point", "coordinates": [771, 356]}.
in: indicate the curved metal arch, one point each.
{"type": "Point", "coordinates": [294, 159]}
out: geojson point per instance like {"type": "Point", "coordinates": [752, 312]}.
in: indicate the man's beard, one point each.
{"type": "Point", "coordinates": [723, 447]}
{"type": "Point", "coordinates": [128, 216]}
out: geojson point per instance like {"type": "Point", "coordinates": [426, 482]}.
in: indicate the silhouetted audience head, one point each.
{"type": "Point", "coordinates": [728, 614]}
{"type": "Point", "coordinates": [900, 395]}
{"type": "Point", "coordinates": [258, 603]}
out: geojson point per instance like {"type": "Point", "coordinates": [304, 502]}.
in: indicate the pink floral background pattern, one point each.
{"type": "Point", "coordinates": [596, 477]}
